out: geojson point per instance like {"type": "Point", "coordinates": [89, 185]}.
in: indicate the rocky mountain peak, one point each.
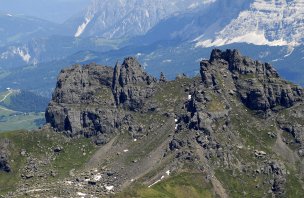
{"type": "Point", "coordinates": [131, 72]}
{"type": "Point", "coordinates": [258, 84]}
{"type": "Point", "coordinates": [131, 84]}
{"type": "Point", "coordinates": [87, 98]}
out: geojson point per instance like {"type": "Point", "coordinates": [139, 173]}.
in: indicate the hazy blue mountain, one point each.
{"type": "Point", "coordinates": [46, 49]}
{"type": "Point", "coordinates": [55, 10]}
{"type": "Point", "coordinates": [19, 28]}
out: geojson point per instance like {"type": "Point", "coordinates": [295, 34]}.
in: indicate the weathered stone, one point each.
{"type": "Point", "coordinates": [4, 156]}
{"type": "Point", "coordinates": [131, 85]}
{"type": "Point", "coordinates": [258, 84]}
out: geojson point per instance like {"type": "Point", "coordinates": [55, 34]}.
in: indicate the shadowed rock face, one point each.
{"type": "Point", "coordinates": [258, 84]}
{"type": "Point", "coordinates": [87, 99]}
{"type": "Point", "coordinates": [82, 102]}
{"type": "Point", "coordinates": [4, 154]}
{"type": "Point", "coordinates": [131, 85]}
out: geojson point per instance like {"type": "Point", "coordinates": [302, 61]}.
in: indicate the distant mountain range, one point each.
{"type": "Point", "coordinates": [19, 28]}
{"type": "Point", "coordinates": [165, 35]}
{"type": "Point", "coordinates": [276, 23]}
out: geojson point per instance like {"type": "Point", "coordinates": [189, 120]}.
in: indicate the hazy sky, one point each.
{"type": "Point", "coordinates": [53, 10]}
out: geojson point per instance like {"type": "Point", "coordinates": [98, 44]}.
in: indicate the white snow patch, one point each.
{"type": "Point", "coordinates": [154, 183]}
{"type": "Point", "coordinates": [81, 194]}
{"type": "Point", "coordinates": [189, 97]}
{"type": "Point", "coordinates": [147, 14]}
{"type": "Point", "coordinates": [36, 190]}
{"type": "Point", "coordinates": [135, 140]}
{"type": "Point", "coordinates": [176, 126]}
{"type": "Point", "coordinates": [23, 53]}
{"type": "Point", "coordinates": [126, 150]}
{"type": "Point", "coordinates": [97, 177]}
{"type": "Point", "coordinates": [255, 37]}
{"type": "Point", "coordinates": [82, 27]}
{"type": "Point", "coordinates": [176, 120]}
{"type": "Point", "coordinates": [168, 172]}
{"type": "Point", "coordinates": [109, 187]}
{"type": "Point", "coordinates": [162, 177]}
{"type": "Point", "coordinates": [69, 182]}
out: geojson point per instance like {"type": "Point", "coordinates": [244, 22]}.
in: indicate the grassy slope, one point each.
{"type": "Point", "coordinates": [39, 145]}
{"type": "Point", "coordinates": [11, 120]}
{"type": "Point", "coordinates": [178, 186]}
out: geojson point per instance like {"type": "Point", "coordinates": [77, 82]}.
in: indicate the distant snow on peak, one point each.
{"type": "Point", "coordinates": [82, 27]}
{"type": "Point", "coordinates": [22, 52]}
{"type": "Point", "coordinates": [127, 18]}
{"type": "Point", "coordinates": [273, 23]}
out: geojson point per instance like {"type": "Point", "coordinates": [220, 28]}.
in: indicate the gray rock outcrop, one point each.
{"type": "Point", "coordinates": [258, 84]}
{"type": "Point", "coordinates": [4, 156]}
{"type": "Point", "coordinates": [87, 99]}
{"type": "Point", "coordinates": [131, 85]}
{"type": "Point", "coordinates": [82, 102]}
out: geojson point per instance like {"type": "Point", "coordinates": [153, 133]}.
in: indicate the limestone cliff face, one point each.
{"type": "Point", "coordinates": [87, 100]}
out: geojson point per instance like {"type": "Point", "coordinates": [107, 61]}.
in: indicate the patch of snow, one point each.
{"type": "Point", "coordinates": [135, 140]}
{"type": "Point", "coordinates": [176, 126]}
{"type": "Point", "coordinates": [126, 150]}
{"type": "Point", "coordinates": [189, 97]}
{"type": "Point", "coordinates": [81, 194]}
{"type": "Point", "coordinates": [273, 23]}
{"type": "Point", "coordinates": [109, 188]}
{"type": "Point", "coordinates": [97, 177]}
{"type": "Point", "coordinates": [69, 182]}
{"type": "Point", "coordinates": [176, 120]}
{"type": "Point", "coordinates": [154, 183]}
{"type": "Point", "coordinates": [23, 53]}
{"type": "Point", "coordinates": [257, 38]}
{"type": "Point", "coordinates": [168, 172]}
{"type": "Point", "coordinates": [36, 190]}
{"type": "Point", "coordinates": [147, 14]}
{"type": "Point", "coordinates": [83, 26]}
